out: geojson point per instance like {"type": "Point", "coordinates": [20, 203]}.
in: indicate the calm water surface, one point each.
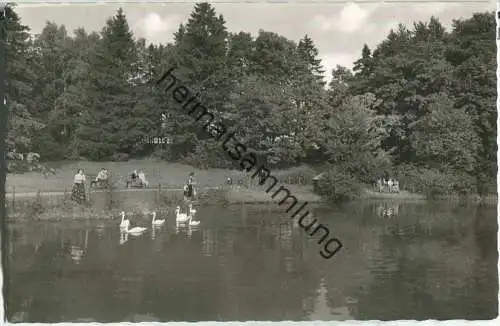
{"type": "Point", "coordinates": [251, 263]}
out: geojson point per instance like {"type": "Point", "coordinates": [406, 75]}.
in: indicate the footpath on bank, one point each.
{"type": "Point", "coordinates": [61, 193]}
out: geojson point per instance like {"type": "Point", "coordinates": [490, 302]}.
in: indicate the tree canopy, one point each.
{"type": "Point", "coordinates": [422, 99]}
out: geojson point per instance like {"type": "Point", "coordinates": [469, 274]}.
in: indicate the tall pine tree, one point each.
{"type": "Point", "coordinates": [110, 126]}
{"type": "Point", "coordinates": [310, 54]}
{"type": "Point", "coordinates": [21, 126]}
{"type": "Point", "coordinates": [200, 53]}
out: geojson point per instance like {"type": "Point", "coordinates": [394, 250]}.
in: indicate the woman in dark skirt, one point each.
{"type": "Point", "coordinates": [189, 191]}
{"type": "Point", "coordinates": [78, 193]}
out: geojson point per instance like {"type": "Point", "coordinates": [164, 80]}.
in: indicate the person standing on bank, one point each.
{"type": "Point", "coordinates": [191, 178]}
{"type": "Point", "coordinates": [189, 191]}
{"type": "Point", "coordinates": [78, 193]}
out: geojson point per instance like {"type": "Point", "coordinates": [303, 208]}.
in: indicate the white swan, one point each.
{"type": "Point", "coordinates": [184, 218]}
{"type": "Point", "coordinates": [181, 217]}
{"type": "Point", "coordinates": [157, 222]}
{"type": "Point", "coordinates": [125, 223]}
{"type": "Point", "coordinates": [193, 223]}
{"type": "Point", "coordinates": [136, 231]}
{"type": "Point", "coordinates": [192, 211]}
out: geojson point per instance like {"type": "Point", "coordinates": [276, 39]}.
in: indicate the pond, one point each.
{"type": "Point", "coordinates": [249, 262]}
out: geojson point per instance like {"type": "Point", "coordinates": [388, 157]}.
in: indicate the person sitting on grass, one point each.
{"type": "Point", "coordinates": [102, 175]}
{"type": "Point", "coordinates": [142, 178]}
{"type": "Point", "coordinates": [396, 186]}
{"type": "Point", "coordinates": [134, 175]}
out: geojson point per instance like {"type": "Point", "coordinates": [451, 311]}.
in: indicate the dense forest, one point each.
{"type": "Point", "coordinates": [420, 106]}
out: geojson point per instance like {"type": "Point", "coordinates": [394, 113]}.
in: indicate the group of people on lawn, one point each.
{"type": "Point", "coordinates": [102, 179]}
{"type": "Point", "coordinates": [79, 180]}
{"type": "Point", "coordinates": [387, 185]}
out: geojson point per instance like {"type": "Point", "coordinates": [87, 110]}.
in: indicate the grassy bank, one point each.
{"type": "Point", "coordinates": [107, 204]}
{"type": "Point", "coordinates": [33, 196]}
{"type": "Point", "coordinates": [102, 205]}
{"type": "Point", "coordinates": [169, 175]}
{"type": "Point", "coordinates": [259, 196]}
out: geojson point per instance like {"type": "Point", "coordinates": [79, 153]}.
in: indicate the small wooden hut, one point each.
{"type": "Point", "coordinates": [317, 179]}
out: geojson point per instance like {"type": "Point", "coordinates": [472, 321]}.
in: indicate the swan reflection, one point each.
{"type": "Point", "coordinates": [187, 229]}
{"type": "Point", "coordinates": [76, 254]}
{"type": "Point", "coordinates": [78, 251]}
{"type": "Point", "coordinates": [155, 230]}
{"type": "Point", "coordinates": [208, 243]}
{"type": "Point", "coordinates": [123, 237]}
{"type": "Point", "coordinates": [100, 228]}
{"type": "Point", "coordinates": [37, 243]}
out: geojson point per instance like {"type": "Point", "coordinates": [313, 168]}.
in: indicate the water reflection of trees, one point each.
{"type": "Point", "coordinates": [322, 309]}
{"type": "Point", "coordinates": [483, 281]}
{"type": "Point", "coordinates": [252, 263]}
{"type": "Point", "coordinates": [422, 265]}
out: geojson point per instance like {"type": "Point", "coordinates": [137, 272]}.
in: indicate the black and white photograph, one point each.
{"type": "Point", "coordinates": [248, 161]}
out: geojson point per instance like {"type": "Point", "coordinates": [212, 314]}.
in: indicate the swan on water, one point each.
{"type": "Point", "coordinates": [181, 217]}
{"type": "Point", "coordinates": [184, 218]}
{"type": "Point", "coordinates": [157, 222]}
{"type": "Point", "coordinates": [192, 211]}
{"type": "Point", "coordinates": [125, 223]}
{"type": "Point", "coordinates": [193, 223]}
{"type": "Point", "coordinates": [136, 231]}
